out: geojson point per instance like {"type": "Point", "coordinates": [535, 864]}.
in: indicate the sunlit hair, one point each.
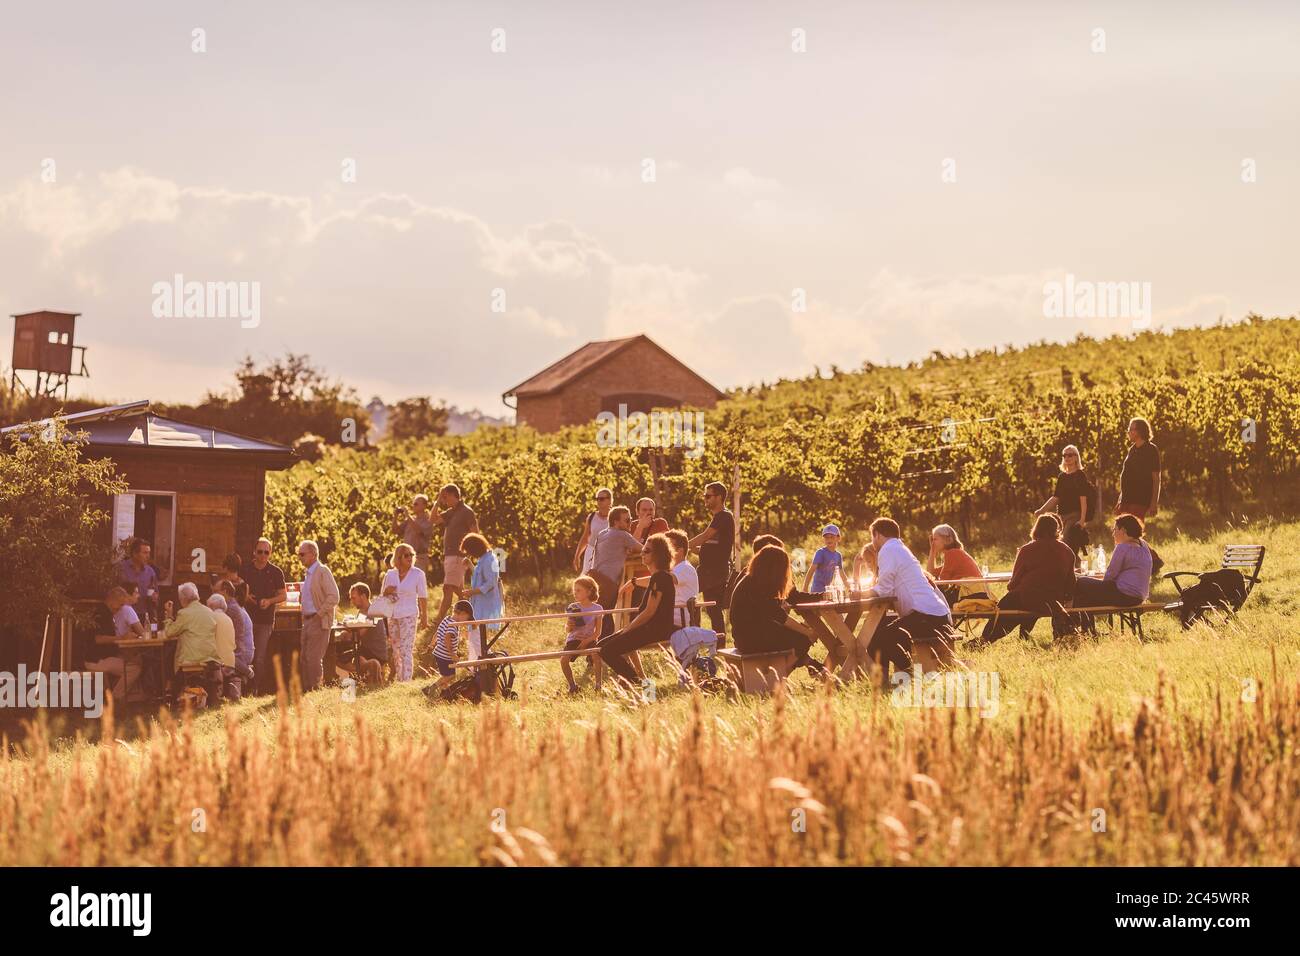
{"type": "Point", "coordinates": [661, 553]}
{"type": "Point", "coordinates": [678, 539]}
{"type": "Point", "coordinates": [769, 570]}
{"type": "Point", "coordinates": [763, 540]}
{"type": "Point", "coordinates": [475, 544]}
{"type": "Point", "coordinates": [1143, 428]}
{"type": "Point", "coordinates": [1078, 458]}
{"type": "Point", "coordinates": [588, 583]}
{"type": "Point", "coordinates": [868, 555]}
{"type": "Point", "coordinates": [452, 490]}
{"type": "Point", "coordinates": [217, 601]}
{"type": "Point", "coordinates": [1046, 528]}
{"type": "Point", "coordinates": [360, 588]}
{"type": "Point", "coordinates": [403, 549]}
{"type": "Point", "coordinates": [1131, 524]}
{"type": "Point", "coordinates": [949, 533]}
{"type": "Point", "coordinates": [642, 501]}
{"type": "Point", "coordinates": [420, 498]}
{"type": "Point", "coordinates": [187, 592]}
{"type": "Point", "coordinates": [619, 513]}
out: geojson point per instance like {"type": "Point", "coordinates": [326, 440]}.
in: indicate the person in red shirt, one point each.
{"type": "Point", "coordinates": [646, 522]}
{"type": "Point", "coordinates": [1042, 580]}
{"type": "Point", "coordinates": [949, 561]}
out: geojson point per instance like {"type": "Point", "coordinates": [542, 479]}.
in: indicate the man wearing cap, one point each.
{"type": "Point", "coordinates": [827, 560]}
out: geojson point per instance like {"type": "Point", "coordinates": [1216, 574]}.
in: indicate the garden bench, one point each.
{"type": "Point", "coordinates": [1246, 558]}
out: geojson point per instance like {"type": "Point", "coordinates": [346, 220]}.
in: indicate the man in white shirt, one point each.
{"type": "Point", "coordinates": [687, 580]}
{"type": "Point", "coordinates": [923, 614]}
{"type": "Point", "coordinates": [320, 596]}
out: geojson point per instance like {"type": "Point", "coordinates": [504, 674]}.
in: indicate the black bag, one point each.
{"type": "Point", "coordinates": [1222, 590]}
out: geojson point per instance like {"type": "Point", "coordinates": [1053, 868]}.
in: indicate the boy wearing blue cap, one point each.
{"type": "Point", "coordinates": [825, 563]}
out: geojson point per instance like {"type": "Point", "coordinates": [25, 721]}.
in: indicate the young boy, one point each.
{"type": "Point", "coordinates": [446, 643]}
{"type": "Point", "coordinates": [825, 562]}
{"type": "Point", "coordinates": [582, 631]}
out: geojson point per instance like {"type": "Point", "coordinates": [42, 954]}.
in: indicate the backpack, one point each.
{"type": "Point", "coordinates": [1223, 590]}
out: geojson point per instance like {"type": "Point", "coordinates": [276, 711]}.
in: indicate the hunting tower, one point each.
{"type": "Point", "coordinates": [43, 345]}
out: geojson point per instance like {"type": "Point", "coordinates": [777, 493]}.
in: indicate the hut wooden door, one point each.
{"type": "Point", "coordinates": [207, 523]}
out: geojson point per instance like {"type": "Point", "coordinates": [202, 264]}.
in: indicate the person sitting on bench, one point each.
{"type": "Point", "coordinates": [1128, 575]}
{"type": "Point", "coordinates": [1042, 580]}
{"type": "Point", "coordinates": [923, 613]}
{"type": "Point", "coordinates": [654, 620]}
{"type": "Point", "coordinates": [373, 643]}
{"type": "Point", "coordinates": [760, 615]}
{"type": "Point", "coordinates": [195, 630]}
{"type": "Point", "coordinates": [581, 632]}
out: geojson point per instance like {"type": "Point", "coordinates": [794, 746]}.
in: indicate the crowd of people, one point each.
{"type": "Point", "coordinates": [229, 635]}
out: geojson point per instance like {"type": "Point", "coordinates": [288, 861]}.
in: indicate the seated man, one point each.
{"type": "Point", "coordinates": [120, 618]}
{"type": "Point", "coordinates": [236, 595]}
{"type": "Point", "coordinates": [374, 641]}
{"type": "Point", "coordinates": [195, 631]}
{"type": "Point", "coordinates": [923, 614]}
{"type": "Point", "coordinates": [230, 688]}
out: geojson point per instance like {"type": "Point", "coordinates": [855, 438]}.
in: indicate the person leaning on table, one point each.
{"type": "Point", "coordinates": [1042, 580]}
{"type": "Point", "coordinates": [1128, 575]}
{"type": "Point", "coordinates": [922, 612]}
{"type": "Point", "coordinates": [320, 596]}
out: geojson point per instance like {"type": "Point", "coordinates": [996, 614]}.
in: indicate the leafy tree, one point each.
{"type": "Point", "coordinates": [282, 401]}
{"type": "Point", "coordinates": [52, 514]}
{"type": "Point", "coordinates": [417, 418]}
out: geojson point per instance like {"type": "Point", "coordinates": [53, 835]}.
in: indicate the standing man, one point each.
{"type": "Point", "coordinates": [457, 521]}
{"type": "Point", "coordinates": [320, 596]}
{"type": "Point", "coordinates": [1139, 481]}
{"type": "Point", "coordinates": [646, 522]}
{"type": "Point", "coordinates": [595, 522]}
{"type": "Point", "coordinates": [614, 547]}
{"type": "Point", "coordinates": [715, 544]}
{"type": "Point", "coordinates": [266, 589]}
{"type": "Point", "coordinates": [136, 569]}
{"type": "Point", "coordinates": [923, 614]}
{"type": "Point", "coordinates": [416, 529]}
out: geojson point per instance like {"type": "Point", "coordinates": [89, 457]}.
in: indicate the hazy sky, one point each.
{"type": "Point", "coordinates": [522, 170]}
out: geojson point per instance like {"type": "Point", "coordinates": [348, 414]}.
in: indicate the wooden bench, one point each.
{"type": "Point", "coordinates": [1246, 558]}
{"type": "Point", "coordinates": [1130, 617]}
{"type": "Point", "coordinates": [758, 673]}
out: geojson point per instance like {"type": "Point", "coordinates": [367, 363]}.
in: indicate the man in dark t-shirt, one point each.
{"type": "Point", "coordinates": [1139, 481]}
{"type": "Point", "coordinates": [715, 544]}
{"type": "Point", "coordinates": [266, 589]}
{"type": "Point", "coordinates": [457, 521]}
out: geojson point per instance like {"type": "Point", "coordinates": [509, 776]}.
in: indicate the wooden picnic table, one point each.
{"type": "Point", "coordinates": [827, 620]}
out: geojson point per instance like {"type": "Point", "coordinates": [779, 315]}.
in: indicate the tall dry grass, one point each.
{"type": "Point", "coordinates": [1214, 787]}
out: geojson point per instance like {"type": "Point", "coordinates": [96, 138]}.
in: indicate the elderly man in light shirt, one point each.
{"type": "Point", "coordinates": [923, 614]}
{"type": "Point", "coordinates": [320, 596]}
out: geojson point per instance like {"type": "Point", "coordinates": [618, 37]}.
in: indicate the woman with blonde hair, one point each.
{"type": "Point", "coordinates": [1071, 500]}
{"type": "Point", "coordinates": [949, 560]}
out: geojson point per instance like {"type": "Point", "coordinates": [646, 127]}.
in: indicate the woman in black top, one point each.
{"type": "Point", "coordinates": [760, 616]}
{"type": "Point", "coordinates": [1071, 500]}
{"type": "Point", "coordinates": [654, 620]}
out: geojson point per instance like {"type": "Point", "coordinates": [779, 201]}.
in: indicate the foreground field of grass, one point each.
{"type": "Point", "coordinates": [1183, 749]}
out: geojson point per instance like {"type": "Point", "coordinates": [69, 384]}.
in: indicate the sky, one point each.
{"type": "Point", "coordinates": [761, 188]}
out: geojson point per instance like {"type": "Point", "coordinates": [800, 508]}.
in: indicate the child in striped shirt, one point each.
{"type": "Point", "coordinates": [446, 642]}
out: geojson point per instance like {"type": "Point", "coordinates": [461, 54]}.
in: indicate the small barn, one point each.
{"type": "Point", "coordinates": [601, 376]}
{"type": "Point", "coordinates": [188, 486]}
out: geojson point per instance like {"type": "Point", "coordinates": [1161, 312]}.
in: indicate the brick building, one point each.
{"type": "Point", "coordinates": [599, 377]}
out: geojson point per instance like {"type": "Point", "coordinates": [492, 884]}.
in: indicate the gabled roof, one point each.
{"type": "Point", "coordinates": [578, 363]}
{"type": "Point", "coordinates": [136, 425]}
